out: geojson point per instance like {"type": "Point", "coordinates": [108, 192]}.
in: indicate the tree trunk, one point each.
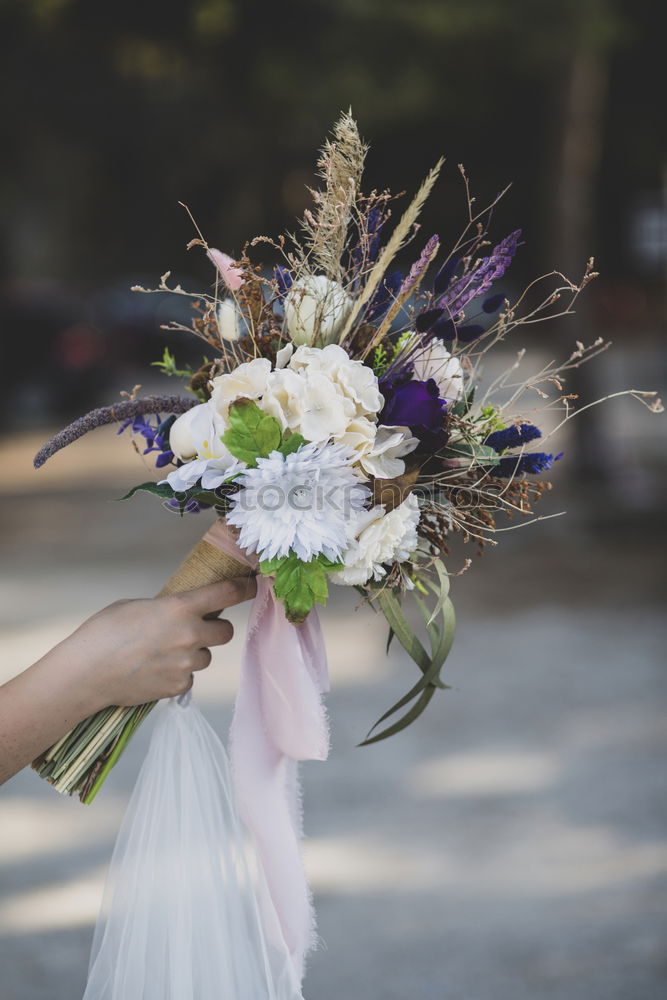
{"type": "Point", "coordinates": [581, 97]}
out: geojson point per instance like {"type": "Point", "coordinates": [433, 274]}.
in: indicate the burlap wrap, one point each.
{"type": "Point", "coordinates": [203, 565]}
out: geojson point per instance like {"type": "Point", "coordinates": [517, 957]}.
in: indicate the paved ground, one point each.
{"type": "Point", "coordinates": [512, 845]}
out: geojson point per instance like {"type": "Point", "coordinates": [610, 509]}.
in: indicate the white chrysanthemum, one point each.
{"type": "Point", "coordinates": [304, 503]}
{"type": "Point", "coordinates": [382, 540]}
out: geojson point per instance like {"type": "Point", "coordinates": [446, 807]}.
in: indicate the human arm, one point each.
{"type": "Point", "coordinates": [133, 651]}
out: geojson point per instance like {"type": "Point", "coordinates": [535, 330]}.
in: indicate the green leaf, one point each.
{"type": "Point", "coordinates": [440, 627]}
{"type": "Point", "coordinates": [157, 489]}
{"type": "Point", "coordinates": [462, 406]}
{"type": "Point", "coordinates": [404, 721]}
{"type": "Point", "coordinates": [472, 451]}
{"type": "Point", "coordinates": [391, 609]}
{"type": "Point", "coordinates": [252, 434]}
{"type": "Point", "coordinates": [291, 443]}
{"type": "Point", "coordinates": [298, 584]}
{"type": "Point", "coordinates": [168, 366]}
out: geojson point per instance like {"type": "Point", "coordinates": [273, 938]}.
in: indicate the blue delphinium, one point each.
{"type": "Point", "coordinates": [283, 280]}
{"type": "Point", "coordinates": [512, 437]}
{"type": "Point", "coordinates": [533, 463]}
{"type": "Point", "coordinates": [384, 296]}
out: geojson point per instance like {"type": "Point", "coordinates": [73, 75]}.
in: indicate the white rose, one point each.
{"type": "Point", "coordinates": [379, 450]}
{"type": "Point", "coordinates": [249, 380]}
{"type": "Point", "coordinates": [385, 459]}
{"type": "Point", "coordinates": [359, 436]}
{"type": "Point", "coordinates": [435, 362]}
{"type": "Point", "coordinates": [231, 325]}
{"type": "Point", "coordinates": [382, 540]}
{"type": "Point", "coordinates": [197, 431]}
{"type": "Point", "coordinates": [316, 309]}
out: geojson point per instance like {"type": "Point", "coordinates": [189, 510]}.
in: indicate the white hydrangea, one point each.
{"type": "Point", "coordinates": [306, 503]}
{"type": "Point", "coordinates": [213, 472]}
{"type": "Point", "coordinates": [322, 393]}
{"type": "Point", "coordinates": [353, 378]}
{"type": "Point", "coordinates": [382, 538]}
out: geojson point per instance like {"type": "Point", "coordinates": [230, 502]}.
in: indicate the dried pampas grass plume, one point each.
{"type": "Point", "coordinates": [396, 241]}
{"type": "Point", "coordinates": [341, 165]}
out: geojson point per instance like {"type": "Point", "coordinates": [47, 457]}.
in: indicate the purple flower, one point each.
{"type": "Point", "coordinates": [126, 409]}
{"type": "Point", "coordinates": [156, 437]}
{"type": "Point", "coordinates": [416, 272]}
{"type": "Point", "coordinates": [413, 404]}
{"type": "Point", "coordinates": [416, 405]}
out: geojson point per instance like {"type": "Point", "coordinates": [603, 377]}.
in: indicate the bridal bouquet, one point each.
{"type": "Point", "coordinates": [340, 424]}
{"type": "Point", "coordinates": [343, 430]}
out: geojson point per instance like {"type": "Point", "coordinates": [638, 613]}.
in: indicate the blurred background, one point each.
{"type": "Point", "coordinates": [513, 844]}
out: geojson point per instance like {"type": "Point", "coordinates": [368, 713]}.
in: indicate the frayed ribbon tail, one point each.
{"type": "Point", "coordinates": [279, 720]}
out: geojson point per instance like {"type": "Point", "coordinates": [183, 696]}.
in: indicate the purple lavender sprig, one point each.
{"type": "Point", "coordinates": [416, 272]}
{"type": "Point", "coordinates": [124, 410]}
{"type": "Point", "coordinates": [472, 285]}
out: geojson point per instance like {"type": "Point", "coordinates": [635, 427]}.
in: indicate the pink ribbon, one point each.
{"type": "Point", "coordinates": [279, 719]}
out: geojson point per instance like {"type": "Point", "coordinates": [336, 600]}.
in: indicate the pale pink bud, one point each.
{"type": "Point", "coordinates": [231, 274]}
